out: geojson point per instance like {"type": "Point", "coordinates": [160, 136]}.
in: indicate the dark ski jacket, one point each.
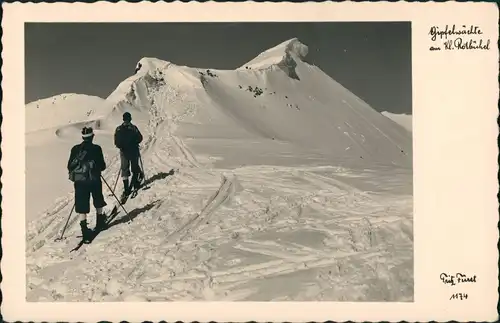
{"type": "Point", "coordinates": [127, 139]}
{"type": "Point", "coordinates": [94, 153]}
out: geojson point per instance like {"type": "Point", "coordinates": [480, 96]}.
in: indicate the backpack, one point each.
{"type": "Point", "coordinates": [81, 169]}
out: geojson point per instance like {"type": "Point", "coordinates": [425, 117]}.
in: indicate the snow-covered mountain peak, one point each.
{"type": "Point", "coordinates": [145, 68]}
{"type": "Point", "coordinates": [283, 56]}
{"type": "Point", "coordinates": [280, 54]}
{"type": "Point", "coordinates": [148, 64]}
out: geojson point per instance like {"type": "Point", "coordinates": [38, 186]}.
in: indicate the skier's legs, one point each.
{"type": "Point", "coordinates": [97, 196]}
{"type": "Point", "coordinates": [125, 165]}
{"type": "Point", "coordinates": [125, 171]}
{"type": "Point", "coordinates": [136, 171]}
{"type": "Point", "coordinates": [82, 206]}
{"type": "Point", "coordinates": [99, 204]}
{"type": "Point", "coordinates": [134, 161]}
{"type": "Point", "coordinates": [82, 198]}
{"type": "Point", "coordinates": [86, 232]}
{"type": "Point", "coordinates": [82, 217]}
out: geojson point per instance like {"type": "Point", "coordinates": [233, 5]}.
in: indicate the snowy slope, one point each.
{"type": "Point", "coordinates": [271, 182]}
{"type": "Point", "coordinates": [63, 109]}
{"type": "Point", "coordinates": [53, 126]}
{"type": "Point", "coordinates": [281, 55]}
{"type": "Point", "coordinates": [402, 119]}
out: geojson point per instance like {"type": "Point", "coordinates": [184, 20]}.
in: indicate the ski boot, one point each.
{"type": "Point", "coordinates": [126, 191]}
{"type": "Point", "coordinates": [136, 181]}
{"type": "Point", "coordinates": [140, 180]}
{"type": "Point", "coordinates": [86, 232]}
{"type": "Point", "coordinates": [101, 222]}
{"type": "Point", "coordinates": [136, 184]}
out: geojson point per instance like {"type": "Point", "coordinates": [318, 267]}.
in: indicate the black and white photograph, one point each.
{"type": "Point", "coordinates": [222, 161]}
{"type": "Point", "coordinates": [249, 162]}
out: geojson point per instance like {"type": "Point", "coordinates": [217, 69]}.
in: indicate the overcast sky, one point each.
{"type": "Point", "coordinates": [372, 60]}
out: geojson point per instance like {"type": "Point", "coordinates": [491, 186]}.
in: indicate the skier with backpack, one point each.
{"type": "Point", "coordinates": [85, 164]}
{"type": "Point", "coordinates": [127, 139]}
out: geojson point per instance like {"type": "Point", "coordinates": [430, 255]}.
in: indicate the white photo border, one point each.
{"type": "Point", "coordinates": [455, 100]}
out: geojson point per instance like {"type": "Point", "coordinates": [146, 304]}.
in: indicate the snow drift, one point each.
{"type": "Point", "coordinates": [268, 182]}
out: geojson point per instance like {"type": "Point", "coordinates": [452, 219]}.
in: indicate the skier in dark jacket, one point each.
{"type": "Point", "coordinates": [127, 139]}
{"type": "Point", "coordinates": [85, 164]}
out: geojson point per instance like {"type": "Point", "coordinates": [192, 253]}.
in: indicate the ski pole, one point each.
{"type": "Point", "coordinates": [117, 177]}
{"type": "Point", "coordinates": [114, 195]}
{"type": "Point", "coordinates": [67, 221]}
{"type": "Point", "coordinates": [145, 181]}
{"type": "Point", "coordinates": [142, 167]}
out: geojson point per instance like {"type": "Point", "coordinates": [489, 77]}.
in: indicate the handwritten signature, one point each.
{"type": "Point", "coordinates": [458, 278]}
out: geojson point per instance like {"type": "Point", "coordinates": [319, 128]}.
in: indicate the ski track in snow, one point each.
{"type": "Point", "coordinates": [254, 233]}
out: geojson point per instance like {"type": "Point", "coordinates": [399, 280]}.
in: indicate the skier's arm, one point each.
{"type": "Point", "coordinates": [71, 157]}
{"type": "Point", "coordinates": [116, 139]}
{"type": "Point", "coordinates": [139, 136]}
{"type": "Point", "coordinates": [101, 163]}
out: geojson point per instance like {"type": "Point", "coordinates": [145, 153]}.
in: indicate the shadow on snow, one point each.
{"type": "Point", "coordinates": [158, 176]}
{"type": "Point", "coordinates": [131, 215]}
